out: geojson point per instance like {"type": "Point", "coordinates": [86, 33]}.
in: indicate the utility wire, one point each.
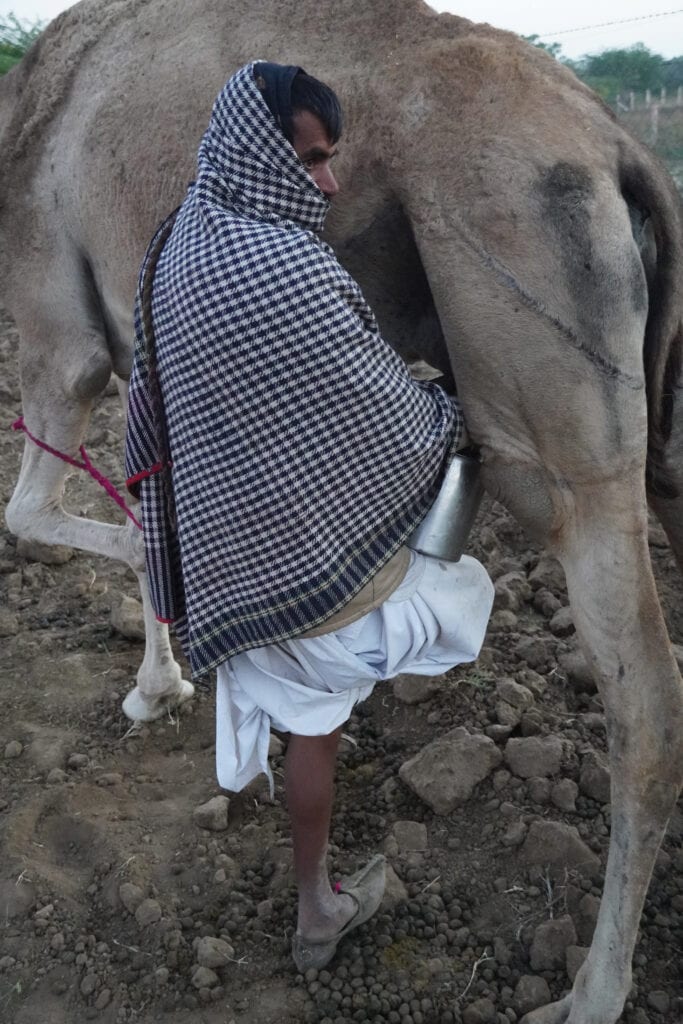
{"type": "Point", "coordinates": [605, 24]}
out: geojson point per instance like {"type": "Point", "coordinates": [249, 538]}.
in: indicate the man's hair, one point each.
{"type": "Point", "coordinates": [316, 97]}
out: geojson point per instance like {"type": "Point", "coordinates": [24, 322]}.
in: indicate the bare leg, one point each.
{"type": "Point", "coordinates": [309, 788]}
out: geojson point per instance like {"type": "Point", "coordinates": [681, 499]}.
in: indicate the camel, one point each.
{"type": "Point", "coordinates": [501, 224]}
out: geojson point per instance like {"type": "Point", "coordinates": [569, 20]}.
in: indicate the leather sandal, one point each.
{"type": "Point", "coordinates": [366, 888]}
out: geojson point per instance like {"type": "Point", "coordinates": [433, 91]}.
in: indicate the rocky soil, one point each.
{"type": "Point", "coordinates": [133, 890]}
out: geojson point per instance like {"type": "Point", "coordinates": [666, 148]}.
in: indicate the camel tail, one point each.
{"type": "Point", "coordinates": [657, 218]}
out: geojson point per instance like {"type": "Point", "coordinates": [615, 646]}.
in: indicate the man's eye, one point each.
{"type": "Point", "coordinates": [309, 164]}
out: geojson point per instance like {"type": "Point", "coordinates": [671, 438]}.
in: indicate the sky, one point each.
{"type": "Point", "coordinates": [547, 18]}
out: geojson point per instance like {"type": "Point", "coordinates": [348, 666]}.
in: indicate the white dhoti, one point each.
{"type": "Point", "coordinates": [434, 620]}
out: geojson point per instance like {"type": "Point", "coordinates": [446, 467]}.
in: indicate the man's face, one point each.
{"type": "Point", "coordinates": [315, 150]}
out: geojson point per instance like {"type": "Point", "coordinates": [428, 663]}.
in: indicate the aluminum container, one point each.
{"type": "Point", "coordinates": [444, 530]}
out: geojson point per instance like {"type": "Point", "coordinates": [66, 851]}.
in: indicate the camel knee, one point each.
{"type": "Point", "coordinates": [69, 371]}
{"type": "Point", "coordinates": [31, 517]}
{"type": "Point", "coordinates": [90, 376]}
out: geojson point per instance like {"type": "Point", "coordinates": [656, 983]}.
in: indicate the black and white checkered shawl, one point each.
{"type": "Point", "coordinates": [302, 452]}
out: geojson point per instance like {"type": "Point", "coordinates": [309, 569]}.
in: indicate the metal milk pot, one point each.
{"type": "Point", "coordinates": [444, 530]}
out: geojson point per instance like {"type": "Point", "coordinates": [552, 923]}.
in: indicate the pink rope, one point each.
{"type": "Point", "coordinates": [86, 464]}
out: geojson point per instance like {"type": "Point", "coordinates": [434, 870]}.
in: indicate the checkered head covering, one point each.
{"type": "Point", "coordinates": [299, 452]}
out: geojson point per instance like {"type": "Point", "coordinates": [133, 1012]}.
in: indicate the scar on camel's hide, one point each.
{"type": "Point", "coordinates": [500, 222]}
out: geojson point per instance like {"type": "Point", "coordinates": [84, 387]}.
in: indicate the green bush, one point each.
{"type": "Point", "coordinates": [15, 38]}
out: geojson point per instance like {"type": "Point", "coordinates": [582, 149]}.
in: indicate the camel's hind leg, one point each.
{"type": "Point", "coordinates": [619, 623]}
{"type": "Point", "coordinates": [553, 387]}
{"type": "Point", "coordinates": [56, 405]}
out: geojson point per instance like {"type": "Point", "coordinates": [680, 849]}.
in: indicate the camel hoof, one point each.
{"type": "Point", "coordinates": [142, 709]}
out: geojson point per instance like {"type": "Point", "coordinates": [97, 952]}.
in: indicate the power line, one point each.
{"type": "Point", "coordinates": [605, 24]}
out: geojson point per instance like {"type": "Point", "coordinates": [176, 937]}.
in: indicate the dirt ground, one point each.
{"type": "Point", "coordinates": [108, 885]}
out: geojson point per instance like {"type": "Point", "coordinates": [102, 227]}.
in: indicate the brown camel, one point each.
{"type": "Point", "coordinates": [500, 222]}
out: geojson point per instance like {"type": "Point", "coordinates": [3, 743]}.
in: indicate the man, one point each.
{"type": "Point", "coordinates": [283, 455]}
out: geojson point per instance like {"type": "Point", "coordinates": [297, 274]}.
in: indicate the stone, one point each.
{"type": "Point", "coordinates": [9, 623]}
{"type": "Point", "coordinates": [593, 720]}
{"type": "Point", "coordinates": [534, 651]}
{"type": "Point", "coordinates": [212, 815]}
{"type": "Point", "coordinates": [535, 683]}
{"type": "Point", "coordinates": [481, 1011]}
{"type": "Point", "coordinates": [109, 779]}
{"type": "Point", "coordinates": [48, 554]}
{"type": "Point", "coordinates": [659, 1001]}
{"type": "Point", "coordinates": [510, 592]}
{"type": "Point", "coordinates": [549, 574]}
{"type": "Point", "coordinates": [264, 909]}
{"type": "Point", "coordinates": [533, 756]}
{"type": "Point", "coordinates": [514, 836]}
{"type": "Point", "coordinates": [563, 795]}
{"type": "Point", "coordinates": [586, 918]}
{"type": "Point", "coordinates": [549, 945]}
{"type": "Point", "coordinates": [562, 623]}
{"type": "Point", "coordinates": [532, 723]}
{"type": "Point", "coordinates": [280, 860]}
{"type": "Point", "coordinates": [574, 664]}
{"type": "Point", "coordinates": [395, 891]}
{"type": "Point", "coordinates": [127, 617]}
{"type": "Point", "coordinates": [539, 790]}
{"type": "Point", "coordinates": [410, 835]}
{"type": "Point", "coordinates": [558, 847]}
{"type": "Point", "coordinates": [507, 716]}
{"type": "Point", "coordinates": [13, 749]}
{"type": "Point", "coordinates": [501, 950]}
{"type": "Point", "coordinates": [212, 952]}
{"type": "Point", "coordinates": [514, 693]}
{"type": "Point", "coordinates": [498, 733]}
{"type": "Point", "coordinates": [88, 984]}
{"type": "Point", "coordinates": [131, 896]}
{"type": "Point", "coordinates": [204, 977]}
{"type": "Point", "coordinates": [103, 999]}
{"type": "Point", "coordinates": [546, 603]}
{"type": "Point", "coordinates": [575, 957]}
{"type": "Point", "coordinates": [414, 689]}
{"type": "Point", "coordinates": [503, 621]}
{"type": "Point", "coordinates": [78, 761]}
{"type": "Point", "coordinates": [594, 780]}
{"type": "Point", "coordinates": [530, 993]}
{"type": "Point", "coordinates": [656, 536]}
{"type": "Point", "coordinates": [56, 775]}
{"type": "Point", "coordinates": [445, 772]}
{"type": "Point", "coordinates": [148, 912]}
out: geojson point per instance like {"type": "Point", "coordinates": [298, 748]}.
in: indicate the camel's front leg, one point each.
{"type": "Point", "coordinates": [620, 626]}
{"type": "Point", "coordinates": [35, 512]}
{"type": "Point", "coordinates": [160, 685]}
